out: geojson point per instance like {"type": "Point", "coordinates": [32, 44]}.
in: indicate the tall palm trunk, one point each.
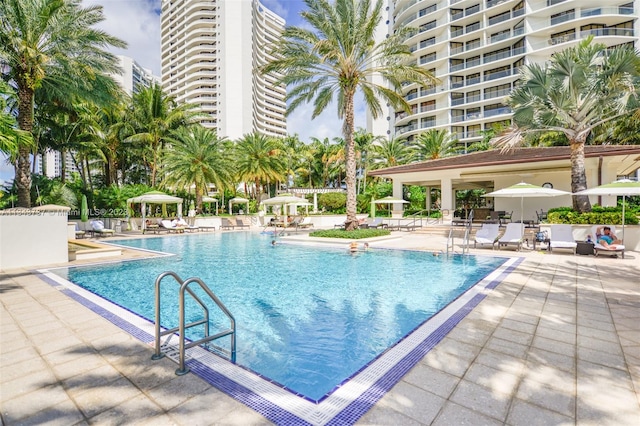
{"type": "Point", "coordinates": [350, 161]}
{"type": "Point", "coordinates": [25, 122]}
{"type": "Point", "coordinates": [581, 203]}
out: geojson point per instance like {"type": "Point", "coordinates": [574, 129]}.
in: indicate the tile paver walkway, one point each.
{"type": "Point", "coordinates": [557, 342]}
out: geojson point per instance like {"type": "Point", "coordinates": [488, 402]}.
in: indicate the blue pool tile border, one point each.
{"type": "Point", "coordinates": [280, 415]}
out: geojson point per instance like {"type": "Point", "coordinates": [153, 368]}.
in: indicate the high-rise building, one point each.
{"type": "Point", "coordinates": [476, 48]}
{"type": "Point", "coordinates": [134, 77]}
{"type": "Point", "coordinates": [211, 53]}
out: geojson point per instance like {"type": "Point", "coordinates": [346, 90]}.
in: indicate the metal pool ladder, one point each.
{"type": "Point", "coordinates": [182, 327]}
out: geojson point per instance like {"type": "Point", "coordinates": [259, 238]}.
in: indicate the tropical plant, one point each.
{"type": "Point", "coordinates": [338, 56]}
{"type": "Point", "coordinates": [197, 157]}
{"type": "Point", "coordinates": [258, 160]}
{"type": "Point", "coordinates": [10, 136]}
{"type": "Point", "coordinates": [580, 89]}
{"type": "Point", "coordinates": [155, 116]}
{"type": "Point", "coordinates": [52, 45]}
{"type": "Point", "coordinates": [433, 144]}
{"type": "Point", "coordinates": [364, 145]}
{"type": "Point", "coordinates": [391, 152]}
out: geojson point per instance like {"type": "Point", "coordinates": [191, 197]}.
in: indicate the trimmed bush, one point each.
{"type": "Point", "coordinates": [333, 202]}
{"type": "Point", "coordinates": [602, 215]}
{"type": "Point", "coordinates": [354, 235]}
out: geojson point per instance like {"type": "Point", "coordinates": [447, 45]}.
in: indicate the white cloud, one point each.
{"type": "Point", "coordinates": [138, 23]}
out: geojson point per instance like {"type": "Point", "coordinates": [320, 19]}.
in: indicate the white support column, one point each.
{"type": "Point", "coordinates": [397, 193]}
{"type": "Point", "coordinates": [448, 198]}
{"type": "Point", "coordinates": [315, 202]}
{"type": "Point", "coordinates": [428, 201]}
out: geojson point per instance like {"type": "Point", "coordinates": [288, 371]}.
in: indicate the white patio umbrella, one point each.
{"type": "Point", "coordinates": [623, 187]}
{"type": "Point", "coordinates": [386, 200]}
{"type": "Point", "coordinates": [524, 190]}
{"type": "Point", "coordinates": [285, 200]}
{"type": "Point", "coordinates": [155, 197]}
{"type": "Point", "coordinates": [238, 200]}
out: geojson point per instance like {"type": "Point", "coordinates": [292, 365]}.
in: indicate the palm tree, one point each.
{"type": "Point", "coordinates": [581, 88]}
{"type": "Point", "coordinates": [258, 159]}
{"type": "Point", "coordinates": [196, 156]}
{"type": "Point", "coordinates": [364, 144]}
{"type": "Point", "coordinates": [434, 144]}
{"type": "Point", "coordinates": [339, 56]}
{"type": "Point", "coordinates": [392, 152]}
{"type": "Point", "coordinates": [10, 136]}
{"type": "Point", "coordinates": [52, 45]}
{"type": "Point", "coordinates": [155, 116]}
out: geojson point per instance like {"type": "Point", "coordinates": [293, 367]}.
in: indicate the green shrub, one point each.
{"type": "Point", "coordinates": [333, 202]}
{"type": "Point", "coordinates": [355, 235]}
{"type": "Point", "coordinates": [605, 215]}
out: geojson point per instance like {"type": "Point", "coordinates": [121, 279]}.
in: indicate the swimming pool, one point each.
{"type": "Point", "coordinates": [308, 318]}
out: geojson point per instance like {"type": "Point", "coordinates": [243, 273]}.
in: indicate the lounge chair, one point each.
{"type": "Point", "coordinates": [305, 223]}
{"type": "Point", "coordinates": [227, 223]}
{"type": "Point", "coordinates": [488, 234]}
{"type": "Point", "coordinates": [187, 226]}
{"type": "Point", "coordinates": [170, 227]}
{"type": "Point", "coordinates": [513, 235]}
{"type": "Point", "coordinates": [375, 223]}
{"type": "Point", "coordinates": [599, 248]}
{"type": "Point", "coordinates": [79, 233]}
{"type": "Point", "coordinates": [240, 224]}
{"type": "Point", "coordinates": [97, 226]}
{"type": "Point", "coordinates": [561, 237]}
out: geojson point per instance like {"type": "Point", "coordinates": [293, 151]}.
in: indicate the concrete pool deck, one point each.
{"type": "Point", "coordinates": [557, 342]}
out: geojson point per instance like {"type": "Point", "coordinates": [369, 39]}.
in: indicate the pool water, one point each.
{"type": "Point", "coordinates": [307, 317]}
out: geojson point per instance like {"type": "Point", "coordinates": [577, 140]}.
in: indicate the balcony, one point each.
{"type": "Point", "coordinates": [562, 39]}
{"type": "Point", "coordinates": [602, 32]}
{"type": "Point", "coordinates": [555, 20]}
{"type": "Point", "coordinates": [497, 111]}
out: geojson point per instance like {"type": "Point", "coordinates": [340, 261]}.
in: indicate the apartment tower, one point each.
{"type": "Point", "coordinates": [211, 53]}
{"type": "Point", "coordinates": [476, 48]}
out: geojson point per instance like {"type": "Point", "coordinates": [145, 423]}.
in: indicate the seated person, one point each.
{"type": "Point", "coordinates": [182, 222]}
{"type": "Point", "coordinates": [606, 238]}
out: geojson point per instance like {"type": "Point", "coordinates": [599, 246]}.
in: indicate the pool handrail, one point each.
{"type": "Point", "coordinates": [184, 287]}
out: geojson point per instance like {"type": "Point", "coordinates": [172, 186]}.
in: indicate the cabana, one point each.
{"type": "Point", "coordinates": [238, 200]}
{"type": "Point", "coordinates": [154, 197]}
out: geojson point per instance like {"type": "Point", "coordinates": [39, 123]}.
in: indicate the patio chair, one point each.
{"type": "Point", "coordinates": [187, 226]}
{"type": "Point", "coordinates": [542, 216]}
{"type": "Point", "coordinates": [375, 223]}
{"type": "Point", "coordinates": [561, 237]}
{"type": "Point", "coordinates": [513, 236]}
{"type": "Point", "coordinates": [305, 223]}
{"type": "Point", "coordinates": [79, 233]}
{"type": "Point", "coordinates": [505, 217]}
{"type": "Point", "coordinates": [240, 224]}
{"type": "Point", "coordinates": [227, 223]}
{"type": "Point", "coordinates": [488, 234]}
{"type": "Point", "coordinates": [171, 227]}
{"type": "Point", "coordinates": [598, 248]}
{"type": "Point", "coordinates": [97, 226]}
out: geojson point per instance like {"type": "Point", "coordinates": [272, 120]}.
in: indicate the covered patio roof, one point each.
{"type": "Point", "coordinates": [478, 169]}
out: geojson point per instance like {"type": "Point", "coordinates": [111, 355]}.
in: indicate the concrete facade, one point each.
{"type": "Point", "coordinates": [211, 53]}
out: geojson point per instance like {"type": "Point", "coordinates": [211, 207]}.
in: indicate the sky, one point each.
{"type": "Point", "coordinates": [137, 22]}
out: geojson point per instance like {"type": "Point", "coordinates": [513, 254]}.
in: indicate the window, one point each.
{"type": "Point", "coordinates": [497, 91]}
{"type": "Point", "coordinates": [456, 47]}
{"type": "Point", "coordinates": [427, 106]}
{"type": "Point", "coordinates": [472, 44]}
{"type": "Point", "coordinates": [457, 115]}
{"type": "Point", "coordinates": [457, 81]}
{"type": "Point", "coordinates": [473, 96]}
{"type": "Point", "coordinates": [473, 78]}
{"type": "Point", "coordinates": [472, 27]}
{"type": "Point", "coordinates": [457, 98]}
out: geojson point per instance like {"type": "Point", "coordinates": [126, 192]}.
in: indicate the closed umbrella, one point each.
{"type": "Point", "coordinates": [84, 209]}
{"type": "Point", "coordinates": [622, 187]}
{"type": "Point", "coordinates": [524, 190]}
